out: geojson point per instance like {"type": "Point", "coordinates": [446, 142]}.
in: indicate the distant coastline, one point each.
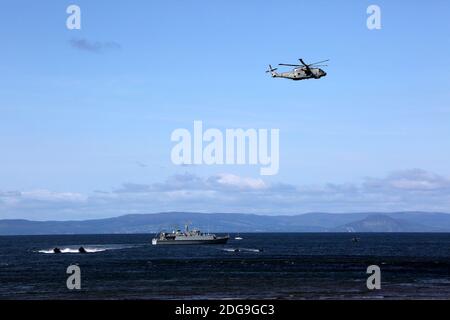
{"type": "Point", "coordinates": [237, 222]}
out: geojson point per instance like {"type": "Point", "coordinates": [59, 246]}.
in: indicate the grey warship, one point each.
{"type": "Point", "coordinates": [188, 237]}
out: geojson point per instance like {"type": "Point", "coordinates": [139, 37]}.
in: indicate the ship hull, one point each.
{"type": "Point", "coordinates": [221, 240]}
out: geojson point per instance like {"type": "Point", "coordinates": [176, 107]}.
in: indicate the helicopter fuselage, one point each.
{"type": "Point", "coordinates": [300, 74]}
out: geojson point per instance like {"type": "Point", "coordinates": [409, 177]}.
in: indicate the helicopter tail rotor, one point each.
{"type": "Point", "coordinates": [272, 71]}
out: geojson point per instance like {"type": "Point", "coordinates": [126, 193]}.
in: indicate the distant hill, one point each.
{"type": "Point", "coordinates": [234, 222]}
{"type": "Point", "coordinates": [384, 223]}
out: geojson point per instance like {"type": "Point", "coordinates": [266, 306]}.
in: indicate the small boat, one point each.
{"type": "Point", "coordinates": [238, 237]}
{"type": "Point", "coordinates": [82, 250]}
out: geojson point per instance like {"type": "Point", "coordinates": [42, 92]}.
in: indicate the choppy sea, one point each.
{"type": "Point", "coordinates": [261, 266]}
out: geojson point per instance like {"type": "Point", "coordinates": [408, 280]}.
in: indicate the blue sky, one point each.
{"type": "Point", "coordinates": [85, 132]}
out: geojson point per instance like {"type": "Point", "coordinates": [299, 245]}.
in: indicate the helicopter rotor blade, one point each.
{"type": "Point", "coordinates": [318, 62]}
{"type": "Point", "coordinates": [289, 65]}
{"type": "Point", "coordinates": [308, 69]}
{"type": "Point", "coordinates": [303, 63]}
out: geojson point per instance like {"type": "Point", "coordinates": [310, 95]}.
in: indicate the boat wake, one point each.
{"type": "Point", "coordinates": [242, 250]}
{"type": "Point", "coordinates": [83, 249]}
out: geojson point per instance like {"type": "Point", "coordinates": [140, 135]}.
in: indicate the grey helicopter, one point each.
{"type": "Point", "coordinates": [301, 71]}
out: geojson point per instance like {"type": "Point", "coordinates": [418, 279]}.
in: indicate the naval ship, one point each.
{"type": "Point", "coordinates": [188, 237]}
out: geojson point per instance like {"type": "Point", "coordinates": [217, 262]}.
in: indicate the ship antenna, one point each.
{"type": "Point", "coordinates": [186, 226]}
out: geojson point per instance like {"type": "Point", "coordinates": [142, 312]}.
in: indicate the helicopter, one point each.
{"type": "Point", "coordinates": [301, 71]}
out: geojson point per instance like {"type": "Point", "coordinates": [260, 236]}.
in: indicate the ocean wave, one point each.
{"type": "Point", "coordinates": [88, 249]}
{"type": "Point", "coordinates": [70, 250]}
{"type": "Point", "coordinates": [241, 250]}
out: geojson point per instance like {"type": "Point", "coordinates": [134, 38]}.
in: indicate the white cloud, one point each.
{"type": "Point", "coordinates": [412, 180]}
{"type": "Point", "coordinates": [46, 195]}
{"type": "Point", "coordinates": [234, 181]}
{"type": "Point", "coordinates": [399, 191]}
